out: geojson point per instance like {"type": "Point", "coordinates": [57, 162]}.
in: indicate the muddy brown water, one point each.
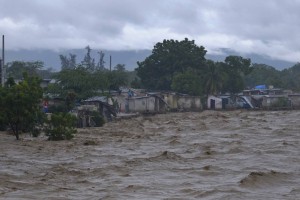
{"type": "Point", "coordinates": [206, 155]}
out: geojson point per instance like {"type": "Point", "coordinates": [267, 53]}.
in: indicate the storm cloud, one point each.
{"type": "Point", "coordinates": [268, 27]}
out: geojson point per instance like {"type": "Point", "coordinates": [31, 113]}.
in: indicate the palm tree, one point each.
{"type": "Point", "coordinates": [215, 77]}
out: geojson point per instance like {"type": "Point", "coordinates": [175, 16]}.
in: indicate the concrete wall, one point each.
{"type": "Point", "coordinates": [190, 103]}
{"type": "Point", "coordinates": [171, 100]}
{"type": "Point", "coordinates": [295, 100]}
{"type": "Point", "coordinates": [274, 101]}
{"type": "Point", "coordinates": [218, 102]}
{"type": "Point", "coordinates": [141, 104]}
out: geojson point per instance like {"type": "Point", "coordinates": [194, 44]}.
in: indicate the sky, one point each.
{"type": "Point", "coordinates": [266, 27]}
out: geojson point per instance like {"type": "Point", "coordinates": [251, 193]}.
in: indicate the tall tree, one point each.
{"type": "Point", "coordinates": [77, 80]}
{"type": "Point", "coordinates": [100, 64]}
{"type": "Point", "coordinates": [290, 78]}
{"type": "Point", "coordinates": [167, 59]}
{"type": "Point", "coordinates": [236, 68]}
{"type": "Point", "coordinates": [118, 77]}
{"type": "Point", "coordinates": [120, 67]}
{"type": "Point", "coordinates": [16, 69]}
{"type": "Point", "coordinates": [88, 62]}
{"type": "Point", "coordinates": [263, 75]}
{"type": "Point", "coordinates": [68, 62]}
{"type": "Point", "coordinates": [64, 62]}
{"type": "Point", "coordinates": [215, 77]}
{"type": "Point", "coordinates": [187, 82]}
{"type": "Point", "coordinates": [20, 104]}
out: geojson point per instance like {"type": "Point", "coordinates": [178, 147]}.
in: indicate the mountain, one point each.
{"type": "Point", "coordinates": [129, 57]}
{"type": "Point", "coordinates": [51, 58]}
{"type": "Point", "coordinates": [255, 58]}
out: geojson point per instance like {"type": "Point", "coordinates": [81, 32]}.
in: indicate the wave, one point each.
{"type": "Point", "coordinates": [261, 179]}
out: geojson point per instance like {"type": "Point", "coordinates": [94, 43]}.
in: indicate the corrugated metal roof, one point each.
{"type": "Point", "coordinates": [97, 98]}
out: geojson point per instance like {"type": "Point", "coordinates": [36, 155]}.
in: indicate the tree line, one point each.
{"type": "Point", "coordinates": [173, 65]}
{"type": "Point", "coordinates": [181, 66]}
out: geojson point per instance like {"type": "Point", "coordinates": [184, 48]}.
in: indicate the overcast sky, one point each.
{"type": "Point", "coordinates": [267, 27]}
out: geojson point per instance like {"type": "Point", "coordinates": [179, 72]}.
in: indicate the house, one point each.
{"type": "Point", "coordinates": [146, 104]}
{"type": "Point", "coordinates": [189, 103]}
{"type": "Point", "coordinates": [295, 100]}
{"type": "Point", "coordinates": [182, 102]}
{"type": "Point", "coordinates": [84, 116]}
{"type": "Point", "coordinates": [214, 102]}
{"type": "Point", "coordinates": [102, 106]}
{"type": "Point", "coordinates": [229, 102]}
{"type": "Point", "coordinates": [276, 101]}
{"type": "Point", "coordinates": [171, 100]}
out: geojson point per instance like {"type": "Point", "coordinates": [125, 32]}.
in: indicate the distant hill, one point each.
{"type": "Point", "coordinates": [51, 58]}
{"type": "Point", "coordinates": [129, 58]}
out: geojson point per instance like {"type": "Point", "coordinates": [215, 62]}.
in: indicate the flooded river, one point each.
{"type": "Point", "coordinates": [207, 155]}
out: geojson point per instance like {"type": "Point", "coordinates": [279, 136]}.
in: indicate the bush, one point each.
{"type": "Point", "coordinates": [61, 126]}
{"type": "Point", "coordinates": [57, 108]}
{"type": "Point", "coordinates": [98, 119]}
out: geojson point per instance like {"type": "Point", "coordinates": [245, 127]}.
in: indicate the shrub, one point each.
{"type": "Point", "coordinates": [61, 126]}
{"type": "Point", "coordinates": [98, 119]}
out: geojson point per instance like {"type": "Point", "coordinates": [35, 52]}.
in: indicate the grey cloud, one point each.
{"type": "Point", "coordinates": [270, 27]}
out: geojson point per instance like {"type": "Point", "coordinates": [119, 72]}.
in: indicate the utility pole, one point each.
{"type": "Point", "coordinates": [1, 71]}
{"type": "Point", "coordinates": [110, 63]}
{"type": "Point", "coordinates": [2, 68]}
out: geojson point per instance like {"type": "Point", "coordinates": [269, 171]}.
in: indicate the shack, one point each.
{"type": "Point", "coordinates": [182, 102]}
{"type": "Point", "coordinates": [295, 100]}
{"type": "Point", "coordinates": [214, 102]}
{"type": "Point", "coordinates": [171, 100]}
{"type": "Point", "coordinates": [146, 104]}
{"type": "Point", "coordinates": [189, 103]}
{"type": "Point", "coordinates": [275, 101]}
{"type": "Point", "coordinates": [84, 115]}
{"type": "Point", "coordinates": [106, 110]}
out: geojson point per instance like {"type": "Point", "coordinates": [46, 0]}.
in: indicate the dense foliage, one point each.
{"type": "Point", "coordinates": [87, 79]}
{"type": "Point", "coordinates": [182, 67]}
{"type": "Point", "coordinates": [168, 59]}
{"type": "Point", "coordinates": [16, 69]}
{"type": "Point", "coordinates": [20, 105]}
{"type": "Point", "coordinates": [61, 126]}
{"type": "Point", "coordinates": [264, 74]}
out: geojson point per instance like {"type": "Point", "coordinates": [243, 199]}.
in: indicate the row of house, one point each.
{"type": "Point", "coordinates": [138, 101]}
{"type": "Point", "coordinates": [262, 98]}
{"type": "Point", "coordinates": [128, 100]}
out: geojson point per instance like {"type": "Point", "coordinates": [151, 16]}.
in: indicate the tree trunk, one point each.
{"type": "Point", "coordinates": [17, 135]}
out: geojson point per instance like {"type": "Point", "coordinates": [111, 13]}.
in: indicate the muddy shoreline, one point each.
{"type": "Point", "coordinates": [208, 155]}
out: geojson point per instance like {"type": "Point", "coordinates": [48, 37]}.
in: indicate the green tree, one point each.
{"type": "Point", "coordinates": [136, 83]}
{"type": "Point", "coordinates": [20, 104]}
{"type": "Point", "coordinates": [101, 62]}
{"type": "Point", "coordinates": [187, 82]}
{"type": "Point", "coordinates": [215, 77]}
{"type": "Point", "coordinates": [89, 62]}
{"type": "Point", "coordinates": [78, 81]}
{"type": "Point", "coordinates": [120, 67]}
{"type": "Point", "coordinates": [167, 59]}
{"type": "Point", "coordinates": [263, 75]}
{"type": "Point", "coordinates": [236, 68]}
{"type": "Point", "coordinates": [61, 126]}
{"type": "Point", "coordinates": [16, 69]}
{"type": "Point", "coordinates": [290, 78]}
{"type": "Point", "coordinates": [117, 77]}
{"type": "Point", "coordinates": [68, 62]}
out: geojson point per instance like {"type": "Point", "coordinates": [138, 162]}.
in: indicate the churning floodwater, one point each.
{"type": "Point", "coordinates": [207, 155]}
